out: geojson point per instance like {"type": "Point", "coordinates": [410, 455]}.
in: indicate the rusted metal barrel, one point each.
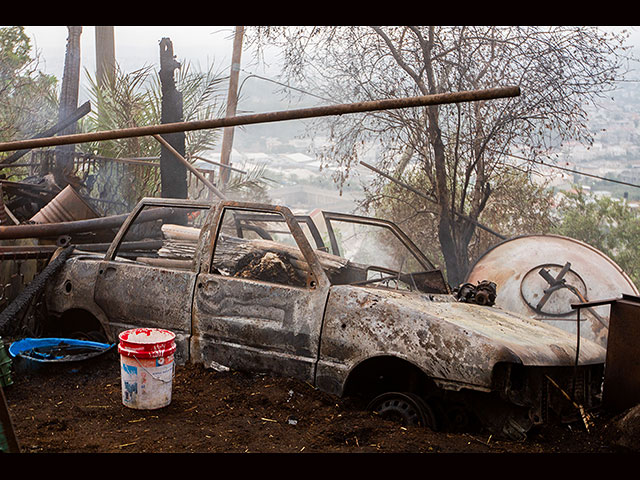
{"type": "Point", "coordinates": [340, 109]}
{"type": "Point", "coordinates": [67, 206]}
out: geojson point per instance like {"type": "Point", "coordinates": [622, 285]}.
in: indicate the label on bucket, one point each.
{"type": "Point", "coordinates": [147, 383]}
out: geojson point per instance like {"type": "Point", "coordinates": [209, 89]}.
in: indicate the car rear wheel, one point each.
{"type": "Point", "coordinates": [407, 408]}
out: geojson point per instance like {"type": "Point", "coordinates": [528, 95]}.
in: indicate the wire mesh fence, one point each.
{"type": "Point", "coordinates": [114, 185]}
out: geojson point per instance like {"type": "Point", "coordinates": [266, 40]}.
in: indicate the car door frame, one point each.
{"type": "Point", "coordinates": [215, 342]}
{"type": "Point", "coordinates": [188, 278]}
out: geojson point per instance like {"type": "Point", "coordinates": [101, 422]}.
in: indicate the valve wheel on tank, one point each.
{"type": "Point", "coordinates": [404, 407]}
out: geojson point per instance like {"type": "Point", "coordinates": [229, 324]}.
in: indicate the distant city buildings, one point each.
{"type": "Point", "coordinates": [298, 180]}
{"type": "Point", "coordinates": [295, 179]}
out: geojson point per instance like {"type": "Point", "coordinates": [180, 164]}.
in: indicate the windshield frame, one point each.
{"type": "Point", "coordinates": [378, 222]}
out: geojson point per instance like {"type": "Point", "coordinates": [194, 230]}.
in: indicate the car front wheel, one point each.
{"type": "Point", "coordinates": [404, 407]}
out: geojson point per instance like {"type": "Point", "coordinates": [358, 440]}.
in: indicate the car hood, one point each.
{"type": "Point", "coordinates": [479, 334]}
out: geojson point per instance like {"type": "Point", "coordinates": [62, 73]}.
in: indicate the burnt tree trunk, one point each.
{"type": "Point", "coordinates": [453, 250]}
{"type": "Point", "coordinates": [68, 104]}
{"type": "Point", "coordinates": [173, 173]}
{"type": "Point", "coordinates": [454, 239]}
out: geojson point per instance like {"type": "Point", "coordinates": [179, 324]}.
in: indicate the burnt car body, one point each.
{"type": "Point", "coordinates": [254, 287]}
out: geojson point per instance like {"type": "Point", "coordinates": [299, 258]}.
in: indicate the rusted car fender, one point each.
{"type": "Point", "coordinates": [453, 343]}
{"type": "Point", "coordinates": [72, 289]}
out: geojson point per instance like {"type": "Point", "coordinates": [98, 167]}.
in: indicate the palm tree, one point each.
{"type": "Point", "coordinates": [126, 100]}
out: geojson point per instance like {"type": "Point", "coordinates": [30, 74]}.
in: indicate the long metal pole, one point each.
{"type": "Point", "coordinates": [193, 170]}
{"type": "Point", "coordinates": [40, 230]}
{"type": "Point", "coordinates": [340, 109]}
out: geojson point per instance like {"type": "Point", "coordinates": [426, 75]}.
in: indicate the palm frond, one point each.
{"type": "Point", "coordinates": [252, 184]}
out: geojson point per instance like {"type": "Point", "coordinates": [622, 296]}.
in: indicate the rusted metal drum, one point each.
{"type": "Point", "coordinates": [67, 206]}
{"type": "Point", "coordinates": [540, 276]}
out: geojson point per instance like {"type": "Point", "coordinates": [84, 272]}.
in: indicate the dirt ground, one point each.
{"type": "Point", "coordinates": [77, 408]}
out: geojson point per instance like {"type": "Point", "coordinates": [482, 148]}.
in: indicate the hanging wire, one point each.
{"type": "Point", "coordinates": [573, 171]}
{"type": "Point", "coordinates": [250, 75]}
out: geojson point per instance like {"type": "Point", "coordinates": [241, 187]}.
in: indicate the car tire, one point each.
{"type": "Point", "coordinates": [407, 408]}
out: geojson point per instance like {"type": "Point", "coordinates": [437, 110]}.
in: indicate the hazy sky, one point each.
{"type": "Point", "coordinates": [137, 46]}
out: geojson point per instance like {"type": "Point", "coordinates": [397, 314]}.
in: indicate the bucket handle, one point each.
{"type": "Point", "coordinates": [173, 372]}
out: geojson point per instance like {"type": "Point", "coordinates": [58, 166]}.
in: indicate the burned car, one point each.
{"type": "Point", "coordinates": [346, 303]}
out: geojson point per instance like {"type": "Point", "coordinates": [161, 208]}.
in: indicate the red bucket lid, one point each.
{"type": "Point", "coordinates": [147, 343]}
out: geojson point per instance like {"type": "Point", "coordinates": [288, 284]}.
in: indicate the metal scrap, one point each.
{"type": "Point", "coordinates": [484, 293]}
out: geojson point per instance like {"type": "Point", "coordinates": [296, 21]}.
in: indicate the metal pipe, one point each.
{"type": "Point", "coordinates": [340, 109]}
{"type": "Point", "coordinates": [193, 170]}
{"type": "Point", "coordinates": [74, 117]}
{"type": "Point", "coordinates": [40, 230]}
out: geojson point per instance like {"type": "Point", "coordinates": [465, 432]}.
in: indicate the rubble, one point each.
{"type": "Point", "coordinates": [625, 430]}
{"type": "Point", "coordinates": [270, 266]}
{"type": "Point", "coordinates": [395, 337]}
{"type": "Point", "coordinates": [484, 293]}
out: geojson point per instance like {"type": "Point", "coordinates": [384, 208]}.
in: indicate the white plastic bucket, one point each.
{"type": "Point", "coordinates": [146, 367]}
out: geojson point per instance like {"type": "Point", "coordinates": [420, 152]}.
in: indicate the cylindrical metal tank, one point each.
{"type": "Point", "coordinates": [67, 206]}
{"type": "Point", "coordinates": [540, 276]}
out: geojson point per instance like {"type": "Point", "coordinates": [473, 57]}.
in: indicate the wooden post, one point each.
{"type": "Point", "coordinates": [173, 174]}
{"type": "Point", "coordinates": [105, 53]}
{"type": "Point", "coordinates": [232, 102]}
